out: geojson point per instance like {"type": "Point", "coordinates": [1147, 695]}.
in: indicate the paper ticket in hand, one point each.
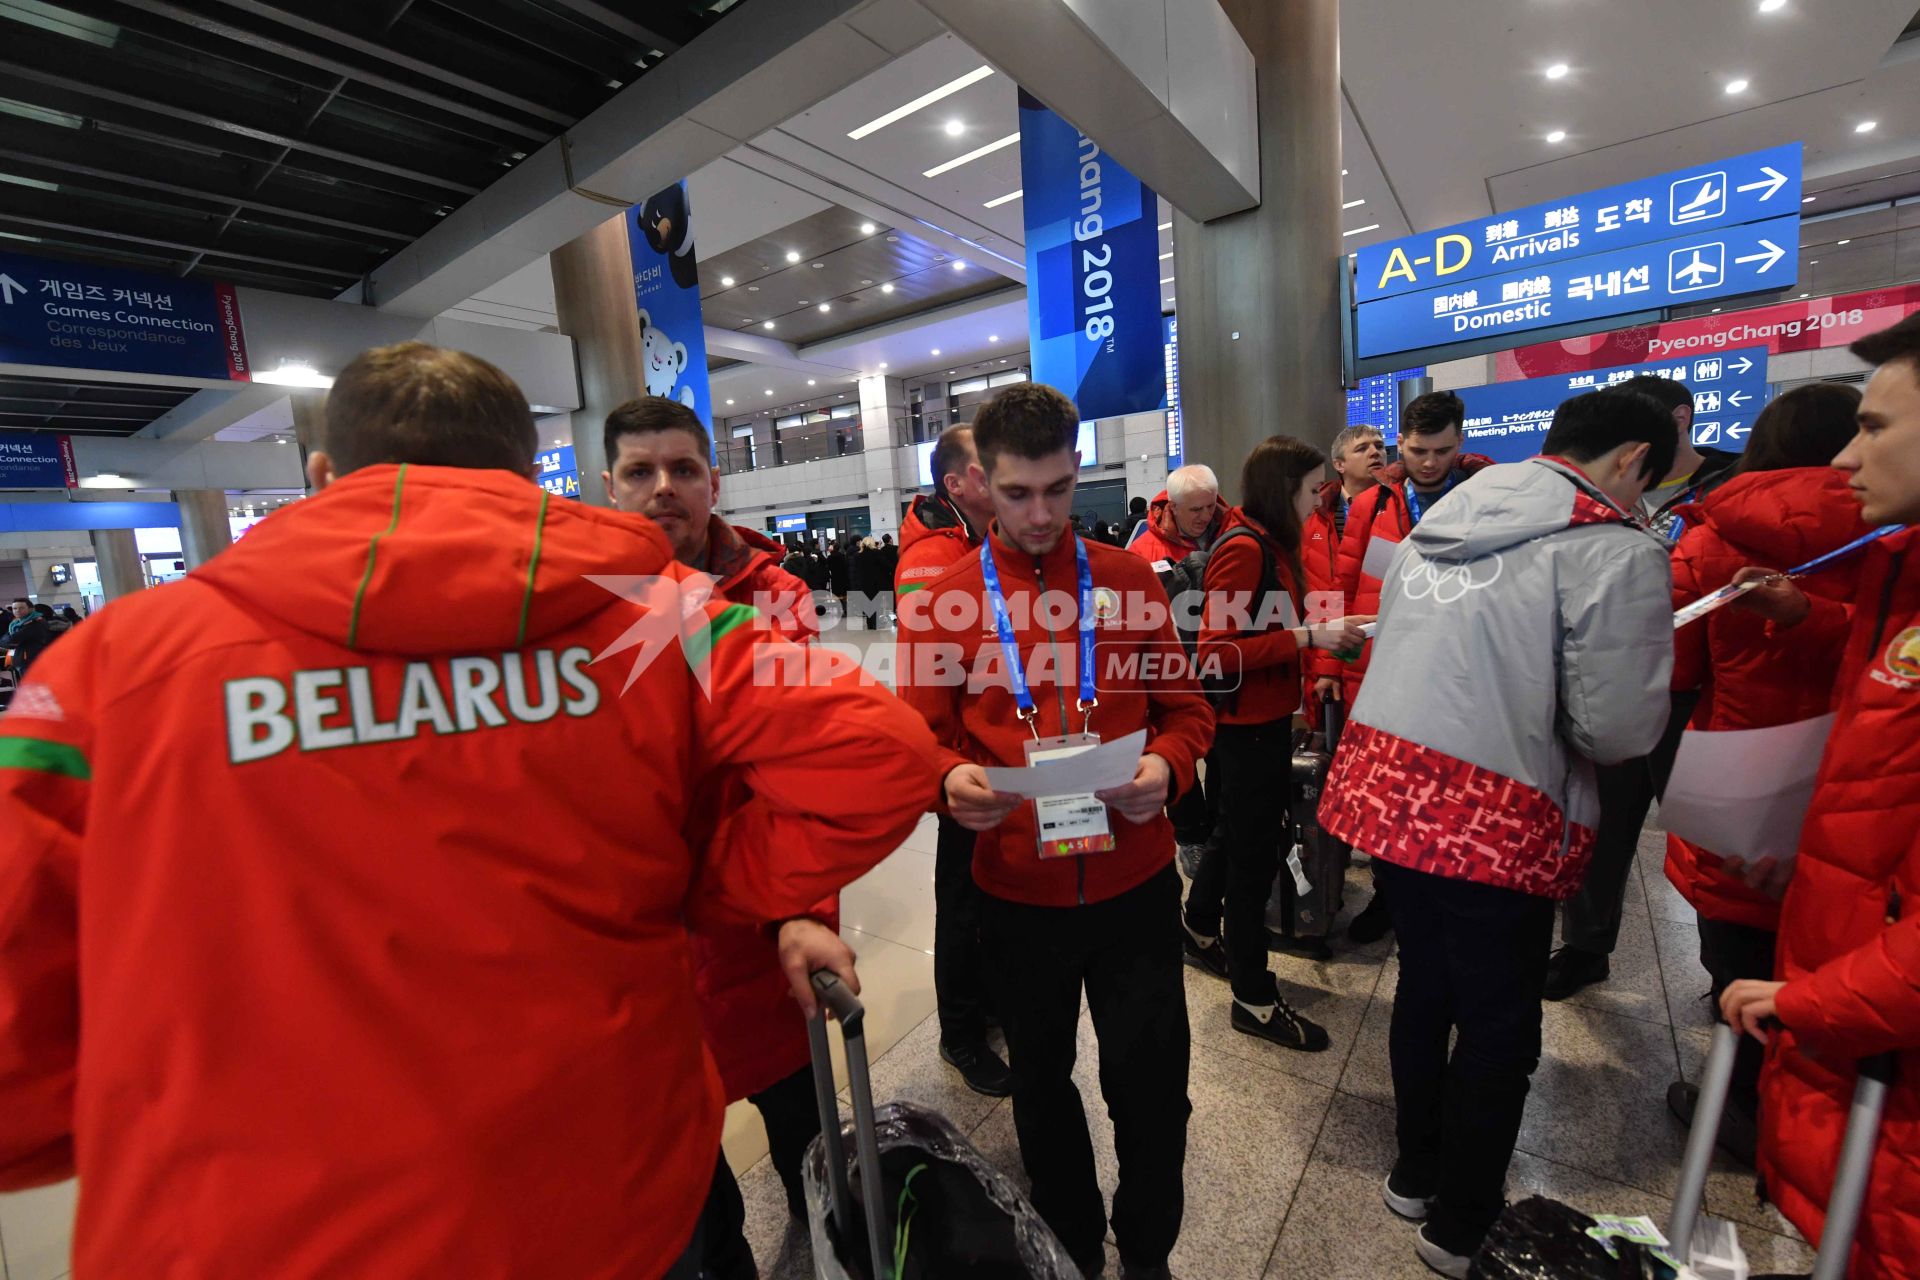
{"type": "Point", "coordinates": [1708, 603]}
{"type": "Point", "coordinates": [1100, 768]}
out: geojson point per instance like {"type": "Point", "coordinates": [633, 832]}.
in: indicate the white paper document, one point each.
{"type": "Point", "coordinates": [1379, 556]}
{"type": "Point", "coordinates": [1110, 764]}
{"type": "Point", "coordinates": [1713, 600]}
{"type": "Point", "coordinates": [1743, 793]}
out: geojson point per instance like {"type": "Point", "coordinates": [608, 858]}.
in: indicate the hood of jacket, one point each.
{"type": "Point", "coordinates": [1160, 518]}
{"type": "Point", "coordinates": [1782, 518]}
{"type": "Point", "coordinates": [932, 516]}
{"type": "Point", "coordinates": [426, 560]}
{"type": "Point", "coordinates": [1509, 504]}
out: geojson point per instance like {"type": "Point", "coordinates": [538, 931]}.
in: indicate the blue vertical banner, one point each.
{"type": "Point", "coordinates": [666, 289]}
{"type": "Point", "coordinates": [1093, 271]}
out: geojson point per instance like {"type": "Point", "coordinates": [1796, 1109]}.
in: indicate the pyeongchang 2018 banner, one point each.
{"type": "Point", "coordinates": [666, 288]}
{"type": "Point", "coordinates": [1093, 262]}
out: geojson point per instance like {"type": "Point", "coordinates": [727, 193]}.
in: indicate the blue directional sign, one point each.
{"type": "Point", "coordinates": [36, 460]}
{"type": "Point", "coordinates": [559, 474]}
{"type": "Point", "coordinates": [81, 316]}
{"type": "Point", "coordinates": [1715, 264]}
{"type": "Point", "coordinates": [1508, 421]}
{"type": "Point", "coordinates": [1723, 193]}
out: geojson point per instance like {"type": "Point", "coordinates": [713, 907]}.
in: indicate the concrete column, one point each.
{"type": "Point", "coordinates": [118, 557]}
{"type": "Point", "coordinates": [593, 296]}
{"type": "Point", "coordinates": [1259, 291]}
{"type": "Point", "coordinates": [204, 531]}
{"type": "Point", "coordinates": [883, 416]}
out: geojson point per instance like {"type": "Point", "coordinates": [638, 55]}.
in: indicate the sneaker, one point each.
{"type": "Point", "coordinates": [1280, 1024]}
{"type": "Point", "coordinates": [1203, 952]}
{"type": "Point", "coordinates": [1189, 855]}
{"type": "Point", "coordinates": [1739, 1134]}
{"type": "Point", "coordinates": [1440, 1260]}
{"type": "Point", "coordinates": [1570, 969]}
{"type": "Point", "coordinates": [1372, 924]}
{"type": "Point", "coordinates": [980, 1067]}
{"type": "Point", "coordinates": [1404, 1203]}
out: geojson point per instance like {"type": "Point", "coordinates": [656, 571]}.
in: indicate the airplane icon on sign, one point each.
{"type": "Point", "coordinates": [1696, 198]}
{"type": "Point", "coordinates": [1696, 267]}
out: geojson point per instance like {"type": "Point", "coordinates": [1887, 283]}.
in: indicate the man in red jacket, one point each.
{"type": "Point", "coordinates": [445, 1022]}
{"type": "Point", "coordinates": [1849, 948]}
{"type": "Point", "coordinates": [1359, 457]}
{"type": "Point", "coordinates": [1185, 518]}
{"type": "Point", "coordinates": [941, 528]}
{"type": "Point", "coordinates": [992, 680]}
{"type": "Point", "coordinates": [658, 451]}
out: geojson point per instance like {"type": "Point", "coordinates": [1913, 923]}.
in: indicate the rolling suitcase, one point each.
{"type": "Point", "coordinates": [936, 1208]}
{"type": "Point", "coordinates": [1311, 887]}
{"type": "Point", "coordinates": [1850, 1179]}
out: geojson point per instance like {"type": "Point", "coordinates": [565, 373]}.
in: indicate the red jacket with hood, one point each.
{"type": "Point", "coordinates": [1849, 948]}
{"type": "Point", "coordinates": [343, 893]}
{"type": "Point", "coordinates": [1749, 675]}
{"type": "Point", "coordinates": [755, 1029]}
{"type": "Point", "coordinates": [978, 714]}
{"type": "Point", "coordinates": [1381, 515]}
{"type": "Point", "coordinates": [1320, 558]}
{"type": "Point", "coordinates": [932, 537]}
{"type": "Point", "coordinates": [1266, 658]}
{"type": "Point", "coordinates": [1160, 537]}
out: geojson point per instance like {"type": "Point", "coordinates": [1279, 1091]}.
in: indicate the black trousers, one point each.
{"type": "Point", "coordinates": [1253, 766]}
{"type": "Point", "coordinates": [1472, 957]}
{"type": "Point", "coordinates": [1125, 954]}
{"type": "Point", "coordinates": [959, 969]}
{"type": "Point", "coordinates": [792, 1116]}
{"type": "Point", "coordinates": [1195, 810]}
{"type": "Point", "coordinates": [1729, 952]}
{"type": "Point", "coordinates": [1627, 791]}
{"type": "Point", "coordinates": [719, 1246]}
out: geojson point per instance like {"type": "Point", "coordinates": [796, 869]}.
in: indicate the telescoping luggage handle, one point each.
{"type": "Point", "coordinates": [848, 1011]}
{"type": "Point", "coordinates": [1849, 1183]}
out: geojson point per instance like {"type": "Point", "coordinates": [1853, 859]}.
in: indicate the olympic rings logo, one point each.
{"type": "Point", "coordinates": [1447, 586]}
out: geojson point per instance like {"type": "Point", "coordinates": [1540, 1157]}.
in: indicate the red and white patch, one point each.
{"type": "Point", "coordinates": [36, 702]}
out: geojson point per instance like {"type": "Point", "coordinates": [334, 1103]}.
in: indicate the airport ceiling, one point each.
{"type": "Point", "coordinates": [83, 408]}
{"type": "Point", "coordinates": [292, 146]}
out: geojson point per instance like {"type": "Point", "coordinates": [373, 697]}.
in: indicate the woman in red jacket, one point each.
{"type": "Point", "coordinates": [1784, 505]}
{"type": "Point", "coordinates": [1254, 586]}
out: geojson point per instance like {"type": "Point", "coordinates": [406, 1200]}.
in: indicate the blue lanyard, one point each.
{"type": "Point", "coordinates": [1417, 507]}
{"type": "Point", "coordinates": [1821, 562]}
{"type": "Point", "coordinates": [1010, 643]}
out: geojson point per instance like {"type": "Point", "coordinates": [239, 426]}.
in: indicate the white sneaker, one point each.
{"type": "Point", "coordinates": [1412, 1208]}
{"type": "Point", "coordinates": [1452, 1265]}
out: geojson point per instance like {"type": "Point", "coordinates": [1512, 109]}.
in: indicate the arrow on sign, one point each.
{"type": "Point", "coordinates": [8, 286]}
{"type": "Point", "coordinates": [1736, 431]}
{"type": "Point", "coordinates": [1738, 398]}
{"type": "Point", "coordinates": [1772, 182]}
{"type": "Point", "coordinates": [1766, 260]}
{"type": "Point", "coordinates": [1744, 365]}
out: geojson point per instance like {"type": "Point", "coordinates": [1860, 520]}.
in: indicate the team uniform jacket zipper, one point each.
{"type": "Point", "coordinates": [1060, 695]}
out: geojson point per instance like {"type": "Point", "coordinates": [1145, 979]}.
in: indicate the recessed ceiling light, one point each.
{"type": "Point", "coordinates": [1841, 242]}
{"type": "Point", "coordinates": [924, 100]}
{"type": "Point", "coordinates": [959, 264]}
{"type": "Point", "coordinates": [1736, 86]}
{"type": "Point", "coordinates": [1165, 226]}
{"type": "Point", "coordinates": [1772, 6]}
{"type": "Point", "coordinates": [1354, 204]}
{"type": "Point", "coordinates": [993, 337]}
{"type": "Point", "coordinates": [1556, 71]}
{"type": "Point", "coordinates": [1558, 135]}
{"type": "Point", "coordinates": [1371, 226]}
{"type": "Point", "coordinates": [726, 282]}
{"type": "Point", "coordinates": [886, 288]}
{"type": "Point", "coordinates": [1166, 279]}
{"type": "Point", "coordinates": [729, 402]}
{"type": "Point", "coordinates": [793, 255]}
{"type": "Point", "coordinates": [1165, 256]}
{"type": "Point", "coordinates": [971, 156]}
{"type": "Point", "coordinates": [819, 266]}
{"type": "Point", "coordinates": [866, 282]}
{"type": "Point", "coordinates": [1866, 126]}
{"type": "Point", "coordinates": [769, 390]}
{"type": "Point", "coordinates": [955, 128]}
{"type": "Point", "coordinates": [809, 381]}
{"type": "Point", "coordinates": [806, 302]}
{"type": "Point", "coordinates": [997, 201]}
{"type": "Point", "coordinates": [883, 364]}
{"type": "Point", "coordinates": [767, 325]}
{"type": "Point", "coordinates": [826, 306]}
{"type": "Point", "coordinates": [1806, 199]}
{"type": "Point", "coordinates": [753, 288]}
{"type": "Point", "coordinates": [1806, 295]}
{"type": "Point", "coordinates": [936, 351]}
{"type": "Point", "coordinates": [1343, 173]}
{"type": "Point", "coordinates": [867, 228]}
{"type": "Point", "coordinates": [1716, 311]}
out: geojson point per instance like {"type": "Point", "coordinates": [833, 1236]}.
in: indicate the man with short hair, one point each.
{"type": "Point", "coordinates": [1358, 456]}
{"type": "Point", "coordinates": [1185, 518]}
{"type": "Point", "coordinates": [1041, 638]}
{"type": "Point", "coordinates": [1696, 472]}
{"type": "Point", "coordinates": [942, 528]}
{"type": "Point", "coordinates": [1479, 811]}
{"type": "Point", "coordinates": [1848, 972]}
{"type": "Point", "coordinates": [426, 1030]}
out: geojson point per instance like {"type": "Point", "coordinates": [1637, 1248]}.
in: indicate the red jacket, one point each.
{"type": "Point", "coordinates": [1160, 537]}
{"type": "Point", "coordinates": [342, 890]}
{"type": "Point", "coordinates": [933, 536]}
{"type": "Point", "coordinates": [755, 1029]}
{"type": "Point", "coordinates": [1380, 514]}
{"type": "Point", "coordinates": [1749, 677]}
{"type": "Point", "coordinates": [1849, 948]}
{"type": "Point", "coordinates": [1320, 558]}
{"type": "Point", "coordinates": [1266, 657]}
{"type": "Point", "coordinates": [1134, 623]}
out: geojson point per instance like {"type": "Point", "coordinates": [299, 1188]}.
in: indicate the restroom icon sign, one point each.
{"type": "Point", "coordinates": [1706, 370]}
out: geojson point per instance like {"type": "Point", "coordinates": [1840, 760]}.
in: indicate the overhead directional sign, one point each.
{"type": "Point", "coordinates": [559, 473]}
{"type": "Point", "coordinates": [36, 460]}
{"type": "Point", "coordinates": [1508, 421]}
{"type": "Point", "coordinates": [1716, 264]}
{"type": "Point", "coordinates": [1724, 193]}
{"type": "Point", "coordinates": [80, 316]}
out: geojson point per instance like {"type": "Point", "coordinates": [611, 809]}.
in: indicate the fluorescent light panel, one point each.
{"type": "Point", "coordinates": [1008, 198]}
{"type": "Point", "coordinates": [924, 100]}
{"type": "Point", "coordinates": [1371, 226]}
{"type": "Point", "coordinates": [1354, 204]}
{"type": "Point", "coordinates": [971, 156]}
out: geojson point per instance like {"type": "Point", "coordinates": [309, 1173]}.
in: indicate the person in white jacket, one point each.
{"type": "Point", "coordinates": [1525, 635]}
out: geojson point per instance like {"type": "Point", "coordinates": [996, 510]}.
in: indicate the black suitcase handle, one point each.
{"type": "Point", "coordinates": [851, 1015]}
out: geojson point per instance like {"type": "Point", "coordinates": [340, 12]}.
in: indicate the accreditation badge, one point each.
{"type": "Point", "coordinates": [1069, 826]}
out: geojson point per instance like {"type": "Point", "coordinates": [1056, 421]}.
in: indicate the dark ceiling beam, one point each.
{"type": "Point", "coordinates": [108, 233]}
{"type": "Point", "coordinates": [371, 48]}
{"type": "Point", "coordinates": [267, 37]}
{"type": "Point", "coordinates": [135, 102]}
{"type": "Point", "coordinates": [562, 38]}
{"type": "Point", "coordinates": [652, 33]}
